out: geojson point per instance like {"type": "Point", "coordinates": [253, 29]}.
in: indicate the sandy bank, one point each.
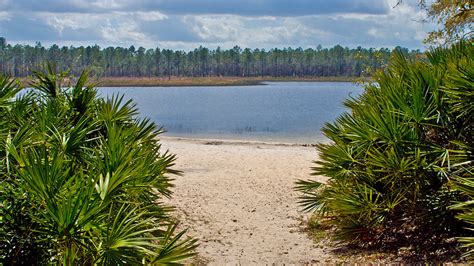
{"type": "Point", "coordinates": [238, 198]}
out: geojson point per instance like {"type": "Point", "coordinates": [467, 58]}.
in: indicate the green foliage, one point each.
{"type": "Point", "coordinates": [454, 17]}
{"type": "Point", "coordinates": [17, 60]}
{"type": "Point", "coordinates": [402, 155]}
{"type": "Point", "coordinates": [81, 179]}
{"type": "Point", "coordinates": [464, 181]}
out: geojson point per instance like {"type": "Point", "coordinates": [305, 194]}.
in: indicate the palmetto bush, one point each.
{"type": "Point", "coordinates": [465, 183]}
{"type": "Point", "coordinates": [82, 178]}
{"type": "Point", "coordinates": [403, 154]}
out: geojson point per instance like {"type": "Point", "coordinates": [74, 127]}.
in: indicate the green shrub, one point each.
{"type": "Point", "coordinates": [81, 179]}
{"type": "Point", "coordinates": [464, 181]}
{"type": "Point", "coordinates": [392, 158]}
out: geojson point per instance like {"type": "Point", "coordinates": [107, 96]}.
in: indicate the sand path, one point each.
{"type": "Point", "coordinates": [238, 199]}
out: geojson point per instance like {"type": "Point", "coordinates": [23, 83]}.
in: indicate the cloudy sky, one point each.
{"type": "Point", "coordinates": [186, 24]}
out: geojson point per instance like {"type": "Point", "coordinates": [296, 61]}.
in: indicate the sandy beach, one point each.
{"type": "Point", "coordinates": [238, 199]}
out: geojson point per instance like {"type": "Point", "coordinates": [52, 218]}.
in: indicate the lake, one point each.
{"type": "Point", "coordinates": [277, 111]}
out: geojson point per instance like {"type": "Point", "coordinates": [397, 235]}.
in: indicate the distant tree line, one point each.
{"type": "Point", "coordinates": [19, 60]}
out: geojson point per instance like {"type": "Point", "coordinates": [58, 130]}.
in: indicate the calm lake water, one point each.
{"type": "Point", "coordinates": [277, 111]}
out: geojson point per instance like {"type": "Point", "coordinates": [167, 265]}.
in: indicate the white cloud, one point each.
{"type": "Point", "coordinates": [126, 32]}
{"type": "Point", "coordinates": [107, 4]}
{"type": "Point", "coordinates": [4, 15]}
{"type": "Point", "coordinates": [70, 21]}
{"type": "Point", "coordinates": [373, 32]}
{"type": "Point", "coordinates": [150, 15]}
{"type": "Point", "coordinates": [356, 16]}
{"type": "Point", "coordinates": [116, 28]}
{"type": "Point", "coordinates": [253, 31]}
{"type": "Point", "coordinates": [402, 23]}
{"type": "Point", "coordinates": [408, 17]}
{"type": "Point", "coordinates": [215, 28]}
{"type": "Point", "coordinates": [113, 23]}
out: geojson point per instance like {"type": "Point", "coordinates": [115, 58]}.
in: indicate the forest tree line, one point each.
{"type": "Point", "coordinates": [19, 60]}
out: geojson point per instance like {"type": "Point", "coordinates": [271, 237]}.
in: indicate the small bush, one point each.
{"type": "Point", "coordinates": [81, 178]}
{"type": "Point", "coordinates": [402, 155]}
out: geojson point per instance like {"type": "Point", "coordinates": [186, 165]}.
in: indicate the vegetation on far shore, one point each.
{"type": "Point", "coordinates": [113, 62]}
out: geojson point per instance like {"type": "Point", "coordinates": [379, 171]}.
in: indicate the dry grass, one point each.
{"type": "Point", "coordinates": [410, 251]}
{"type": "Point", "coordinates": [205, 81]}
{"type": "Point", "coordinates": [201, 81]}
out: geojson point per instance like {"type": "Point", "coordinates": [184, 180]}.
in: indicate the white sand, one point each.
{"type": "Point", "coordinates": [238, 199]}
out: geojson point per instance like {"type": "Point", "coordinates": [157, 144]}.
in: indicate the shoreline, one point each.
{"type": "Point", "coordinates": [210, 81]}
{"type": "Point", "coordinates": [236, 142]}
{"type": "Point", "coordinates": [203, 81]}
